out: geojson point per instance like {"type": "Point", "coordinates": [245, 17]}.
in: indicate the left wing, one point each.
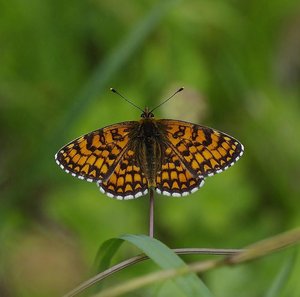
{"type": "Point", "coordinates": [95, 155]}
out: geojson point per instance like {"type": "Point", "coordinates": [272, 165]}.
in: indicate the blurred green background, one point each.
{"type": "Point", "coordinates": [240, 64]}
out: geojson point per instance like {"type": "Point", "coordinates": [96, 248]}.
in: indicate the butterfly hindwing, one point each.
{"type": "Point", "coordinates": [127, 180]}
{"type": "Point", "coordinates": [174, 179]}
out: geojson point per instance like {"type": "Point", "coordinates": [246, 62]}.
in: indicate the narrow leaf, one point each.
{"type": "Point", "coordinates": [282, 277]}
{"type": "Point", "coordinates": [266, 247]}
{"type": "Point", "coordinates": [165, 258]}
{"type": "Point", "coordinates": [106, 252]}
{"type": "Point", "coordinates": [113, 63]}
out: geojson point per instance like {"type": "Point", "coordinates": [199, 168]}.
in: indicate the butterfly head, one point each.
{"type": "Point", "coordinates": [147, 114]}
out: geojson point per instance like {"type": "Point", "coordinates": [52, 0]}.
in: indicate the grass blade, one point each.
{"type": "Point", "coordinates": [282, 277]}
{"type": "Point", "coordinates": [106, 252]}
{"type": "Point", "coordinates": [165, 258]}
{"type": "Point", "coordinates": [114, 62]}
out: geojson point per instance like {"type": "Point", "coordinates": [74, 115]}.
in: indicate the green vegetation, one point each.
{"type": "Point", "coordinates": [239, 63]}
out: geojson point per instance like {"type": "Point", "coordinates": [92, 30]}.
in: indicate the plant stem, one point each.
{"type": "Point", "coordinates": [151, 213]}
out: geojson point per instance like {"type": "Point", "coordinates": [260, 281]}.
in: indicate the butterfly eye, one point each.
{"type": "Point", "coordinates": [151, 115]}
{"type": "Point", "coordinates": [143, 115]}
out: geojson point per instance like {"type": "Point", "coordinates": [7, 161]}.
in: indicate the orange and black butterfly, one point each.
{"type": "Point", "coordinates": [172, 157]}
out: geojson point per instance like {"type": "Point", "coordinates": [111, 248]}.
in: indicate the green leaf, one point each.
{"type": "Point", "coordinates": [106, 252]}
{"type": "Point", "coordinates": [282, 277]}
{"type": "Point", "coordinates": [165, 258]}
{"type": "Point", "coordinates": [103, 259]}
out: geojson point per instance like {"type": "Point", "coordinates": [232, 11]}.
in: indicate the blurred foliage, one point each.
{"type": "Point", "coordinates": [239, 62]}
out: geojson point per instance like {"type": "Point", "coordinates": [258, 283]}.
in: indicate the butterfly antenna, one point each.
{"type": "Point", "coordinates": [179, 90]}
{"type": "Point", "coordinates": [115, 91]}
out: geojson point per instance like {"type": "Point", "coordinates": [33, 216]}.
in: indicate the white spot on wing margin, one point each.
{"type": "Point", "coordinates": [119, 197]}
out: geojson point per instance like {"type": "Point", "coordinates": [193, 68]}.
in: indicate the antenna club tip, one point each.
{"type": "Point", "coordinates": [181, 89]}
{"type": "Point", "coordinates": [113, 90]}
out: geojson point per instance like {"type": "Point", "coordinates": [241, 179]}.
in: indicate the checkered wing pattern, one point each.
{"type": "Point", "coordinates": [127, 180]}
{"type": "Point", "coordinates": [175, 179]}
{"type": "Point", "coordinates": [201, 150]}
{"type": "Point", "coordinates": [111, 157]}
{"type": "Point", "coordinates": [103, 156]}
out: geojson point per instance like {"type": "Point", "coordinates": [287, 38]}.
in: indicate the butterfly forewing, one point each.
{"type": "Point", "coordinates": [202, 150]}
{"type": "Point", "coordinates": [95, 155]}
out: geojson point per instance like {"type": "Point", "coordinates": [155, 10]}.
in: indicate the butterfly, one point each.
{"type": "Point", "coordinates": [172, 157]}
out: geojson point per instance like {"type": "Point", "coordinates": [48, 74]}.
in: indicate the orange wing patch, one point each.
{"type": "Point", "coordinates": [127, 180]}
{"type": "Point", "coordinates": [203, 151]}
{"type": "Point", "coordinates": [95, 155]}
{"type": "Point", "coordinates": [175, 179]}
